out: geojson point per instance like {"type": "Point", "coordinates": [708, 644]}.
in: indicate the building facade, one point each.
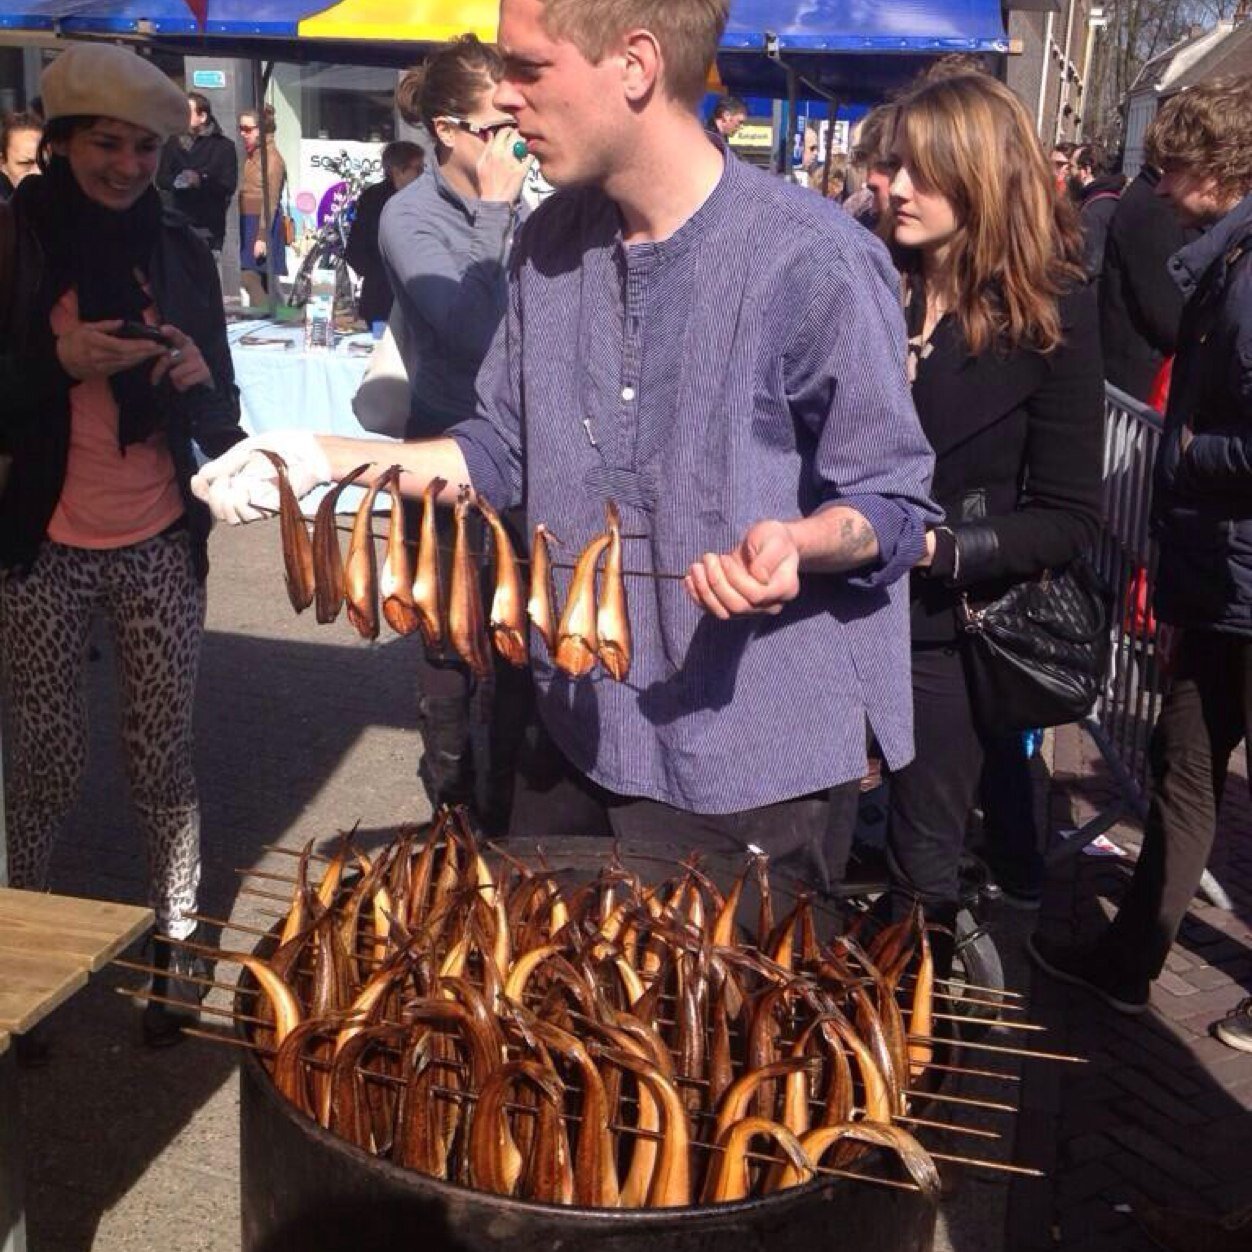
{"type": "Point", "coordinates": [1054, 46]}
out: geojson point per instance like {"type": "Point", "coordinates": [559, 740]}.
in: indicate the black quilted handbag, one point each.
{"type": "Point", "coordinates": [1037, 655]}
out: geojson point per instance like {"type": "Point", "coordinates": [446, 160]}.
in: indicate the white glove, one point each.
{"type": "Point", "coordinates": [241, 485]}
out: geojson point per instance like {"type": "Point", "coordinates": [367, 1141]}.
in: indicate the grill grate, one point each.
{"type": "Point", "coordinates": [625, 1039]}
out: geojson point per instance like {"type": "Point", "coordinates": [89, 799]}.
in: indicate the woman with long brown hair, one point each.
{"type": "Point", "coordinates": [1007, 379]}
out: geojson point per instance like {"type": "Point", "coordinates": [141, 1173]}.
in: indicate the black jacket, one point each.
{"type": "Point", "coordinates": [35, 414]}
{"type": "Point", "coordinates": [214, 158]}
{"type": "Point", "coordinates": [1097, 203]}
{"type": "Point", "coordinates": [6, 187]}
{"type": "Point", "coordinates": [1018, 440]}
{"type": "Point", "coordinates": [363, 255]}
{"type": "Point", "coordinates": [1202, 500]}
{"type": "Point", "coordinates": [1139, 303]}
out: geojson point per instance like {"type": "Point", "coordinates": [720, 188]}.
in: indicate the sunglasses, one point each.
{"type": "Point", "coordinates": [247, 130]}
{"type": "Point", "coordinates": [484, 130]}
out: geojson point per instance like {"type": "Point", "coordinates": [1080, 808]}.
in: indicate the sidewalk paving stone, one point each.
{"type": "Point", "coordinates": [1174, 1100]}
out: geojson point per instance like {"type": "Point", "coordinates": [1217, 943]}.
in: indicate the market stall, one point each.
{"type": "Point", "coordinates": [429, 1029]}
{"type": "Point", "coordinates": [283, 384]}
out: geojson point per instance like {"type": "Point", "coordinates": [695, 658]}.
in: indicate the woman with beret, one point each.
{"type": "Point", "coordinates": [114, 366]}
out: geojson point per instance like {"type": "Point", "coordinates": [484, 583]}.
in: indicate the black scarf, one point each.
{"type": "Point", "coordinates": [98, 252]}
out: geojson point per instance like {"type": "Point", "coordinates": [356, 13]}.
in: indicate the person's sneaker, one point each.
{"type": "Point", "coordinates": [181, 986]}
{"type": "Point", "coordinates": [1082, 966]}
{"type": "Point", "coordinates": [1235, 1029]}
{"type": "Point", "coordinates": [1023, 899]}
{"type": "Point", "coordinates": [1013, 895]}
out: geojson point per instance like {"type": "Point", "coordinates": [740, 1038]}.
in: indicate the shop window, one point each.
{"type": "Point", "coordinates": [341, 102]}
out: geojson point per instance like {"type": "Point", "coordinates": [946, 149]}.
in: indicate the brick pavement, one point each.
{"type": "Point", "coordinates": [1160, 1114]}
{"type": "Point", "coordinates": [303, 729]}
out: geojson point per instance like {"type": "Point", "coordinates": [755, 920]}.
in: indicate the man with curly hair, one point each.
{"type": "Point", "coordinates": [1202, 516]}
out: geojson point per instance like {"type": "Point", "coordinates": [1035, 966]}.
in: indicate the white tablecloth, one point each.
{"type": "Point", "coordinates": [284, 388]}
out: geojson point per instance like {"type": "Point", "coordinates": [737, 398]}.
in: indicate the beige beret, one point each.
{"type": "Point", "coordinates": [103, 80]}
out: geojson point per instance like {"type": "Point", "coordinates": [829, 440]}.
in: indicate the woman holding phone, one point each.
{"type": "Point", "coordinates": [113, 363]}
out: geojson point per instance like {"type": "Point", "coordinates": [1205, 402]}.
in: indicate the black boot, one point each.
{"type": "Point", "coordinates": [180, 995]}
{"type": "Point", "coordinates": [446, 769]}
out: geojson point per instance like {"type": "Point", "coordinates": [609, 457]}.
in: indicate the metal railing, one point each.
{"type": "Point", "coordinates": [1125, 712]}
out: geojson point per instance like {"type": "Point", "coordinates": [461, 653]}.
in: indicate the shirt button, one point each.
{"type": "Point", "coordinates": [628, 394]}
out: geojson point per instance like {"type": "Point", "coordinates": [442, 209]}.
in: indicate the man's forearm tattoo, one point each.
{"type": "Point", "coordinates": [857, 539]}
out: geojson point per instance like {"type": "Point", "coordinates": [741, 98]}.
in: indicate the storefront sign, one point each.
{"type": "Point", "coordinates": [322, 166]}
{"type": "Point", "coordinates": [331, 202]}
{"type": "Point", "coordinates": [753, 135]}
{"type": "Point", "coordinates": [208, 80]}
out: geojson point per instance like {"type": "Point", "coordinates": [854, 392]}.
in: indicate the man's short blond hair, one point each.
{"type": "Point", "coordinates": [1208, 131]}
{"type": "Point", "coordinates": [688, 32]}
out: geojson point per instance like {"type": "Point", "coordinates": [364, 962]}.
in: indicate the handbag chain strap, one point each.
{"type": "Point", "coordinates": [971, 619]}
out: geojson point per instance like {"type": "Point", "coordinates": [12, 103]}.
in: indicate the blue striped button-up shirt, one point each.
{"type": "Point", "coordinates": [751, 366]}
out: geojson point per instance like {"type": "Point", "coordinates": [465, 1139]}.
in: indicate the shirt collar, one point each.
{"type": "Point", "coordinates": [1188, 265]}
{"type": "Point", "coordinates": [705, 219]}
{"type": "Point", "coordinates": [451, 195]}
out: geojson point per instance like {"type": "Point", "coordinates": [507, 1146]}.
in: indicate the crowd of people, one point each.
{"type": "Point", "coordinates": [845, 421]}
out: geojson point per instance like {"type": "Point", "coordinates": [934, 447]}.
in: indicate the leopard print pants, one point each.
{"type": "Point", "coordinates": [154, 603]}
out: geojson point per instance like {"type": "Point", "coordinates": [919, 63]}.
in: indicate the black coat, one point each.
{"type": "Point", "coordinates": [1140, 305]}
{"type": "Point", "coordinates": [35, 416]}
{"type": "Point", "coordinates": [363, 255]}
{"type": "Point", "coordinates": [1097, 202]}
{"type": "Point", "coordinates": [1018, 440]}
{"type": "Point", "coordinates": [215, 159]}
{"type": "Point", "coordinates": [1202, 499]}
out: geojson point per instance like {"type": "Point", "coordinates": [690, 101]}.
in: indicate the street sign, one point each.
{"type": "Point", "coordinates": [208, 80]}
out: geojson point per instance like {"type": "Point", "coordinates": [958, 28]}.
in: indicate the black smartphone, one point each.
{"type": "Point", "coordinates": [141, 330]}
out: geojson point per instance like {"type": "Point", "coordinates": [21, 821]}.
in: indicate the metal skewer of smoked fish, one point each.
{"type": "Point", "coordinates": [593, 629]}
{"type": "Point", "coordinates": [613, 1044]}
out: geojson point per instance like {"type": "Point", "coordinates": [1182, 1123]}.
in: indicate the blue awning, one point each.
{"type": "Point", "coordinates": [867, 26]}
{"type": "Point", "coordinates": [261, 18]}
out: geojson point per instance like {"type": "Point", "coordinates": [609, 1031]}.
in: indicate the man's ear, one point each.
{"type": "Point", "coordinates": [643, 64]}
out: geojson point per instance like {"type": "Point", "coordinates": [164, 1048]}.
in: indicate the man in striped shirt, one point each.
{"type": "Point", "coordinates": [723, 355]}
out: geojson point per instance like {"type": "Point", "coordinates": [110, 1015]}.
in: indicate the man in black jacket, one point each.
{"type": "Point", "coordinates": [1140, 303]}
{"type": "Point", "coordinates": [199, 172]}
{"type": "Point", "coordinates": [1202, 517]}
{"type": "Point", "coordinates": [1098, 192]}
{"type": "Point", "coordinates": [402, 163]}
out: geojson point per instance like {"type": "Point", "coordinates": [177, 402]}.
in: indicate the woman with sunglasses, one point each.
{"type": "Point", "coordinates": [256, 244]}
{"type": "Point", "coordinates": [445, 243]}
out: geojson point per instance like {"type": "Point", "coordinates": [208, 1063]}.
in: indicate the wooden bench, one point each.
{"type": "Point", "coordinates": [49, 946]}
